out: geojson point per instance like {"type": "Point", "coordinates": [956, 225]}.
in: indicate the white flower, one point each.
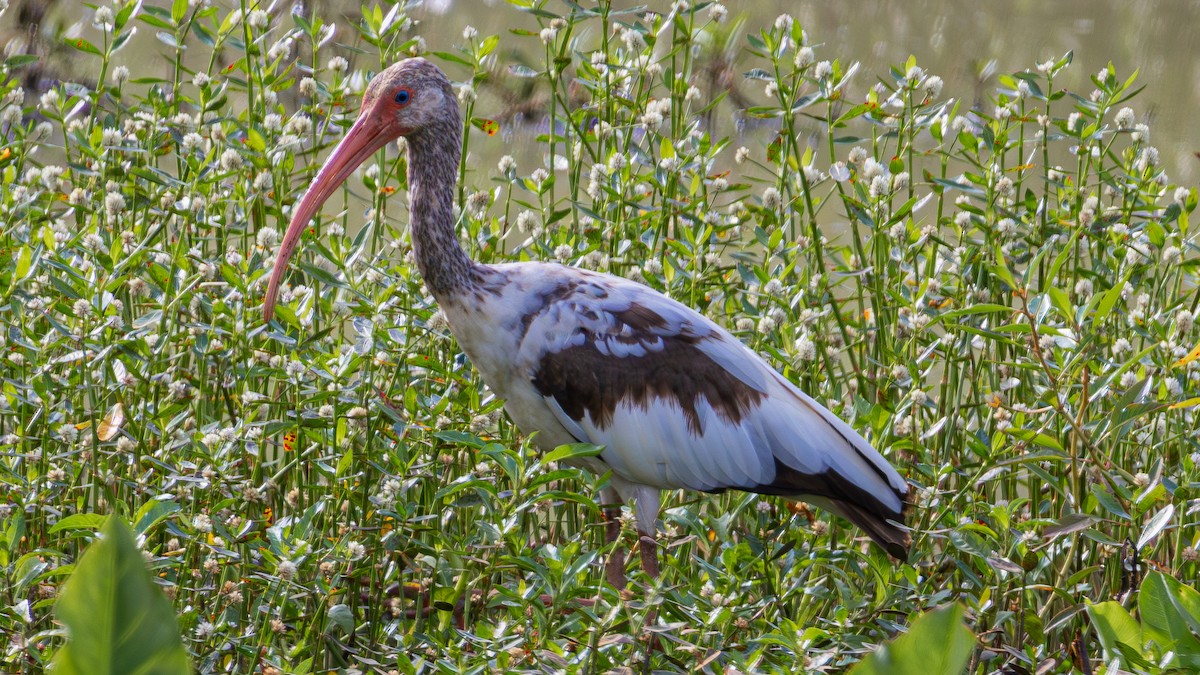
{"type": "Point", "coordinates": [563, 252]}
{"type": "Point", "coordinates": [717, 12]}
{"type": "Point", "coordinates": [806, 350]}
{"type": "Point", "coordinates": [103, 18]}
{"type": "Point", "coordinates": [258, 19]}
{"type": "Point", "coordinates": [771, 198]}
{"type": "Point", "coordinates": [804, 57]}
{"type": "Point", "coordinates": [1120, 346]}
{"type": "Point", "coordinates": [741, 154]}
{"type": "Point", "coordinates": [469, 33]}
{"type": "Point", "coordinates": [933, 86]}
{"type": "Point", "coordinates": [231, 160]}
{"type": "Point", "coordinates": [1125, 118]}
{"type": "Point", "coordinates": [823, 70]}
{"type": "Point", "coordinates": [286, 570]}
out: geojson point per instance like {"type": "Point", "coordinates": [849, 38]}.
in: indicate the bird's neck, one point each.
{"type": "Point", "coordinates": [433, 158]}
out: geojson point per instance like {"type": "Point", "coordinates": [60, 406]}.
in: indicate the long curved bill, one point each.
{"type": "Point", "coordinates": [365, 137]}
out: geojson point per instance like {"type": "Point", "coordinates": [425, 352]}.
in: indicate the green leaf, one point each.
{"type": "Point", "coordinates": [79, 521]}
{"type": "Point", "coordinates": [572, 450]}
{"type": "Point", "coordinates": [1156, 525]}
{"type": "Point", "coordinates": [937, 643]}
{"type": "Point", "coordinates": [117, 620]}
{"type": "Point", "coordinates": [1114, 627]}
{"type": "Point", "coordinates": [151, 513]}
{"type": "Point", "coordinates": [1170, 613]}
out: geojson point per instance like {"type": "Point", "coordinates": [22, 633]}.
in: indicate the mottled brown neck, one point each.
{"type": "Point", "coordinates": [433, 157]}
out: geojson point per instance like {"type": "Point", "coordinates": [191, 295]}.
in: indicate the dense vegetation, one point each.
{"type": "Point", "coordinates": [994, 295]}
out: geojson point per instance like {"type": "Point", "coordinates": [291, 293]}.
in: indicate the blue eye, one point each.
{"type": "Point", "coordinates": [403, 96]}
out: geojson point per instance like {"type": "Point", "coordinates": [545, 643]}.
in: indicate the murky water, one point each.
{"type": "Point", "coordinates": [956, 39]}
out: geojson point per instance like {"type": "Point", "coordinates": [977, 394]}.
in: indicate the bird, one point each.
{"type": "Point", "coordinates": [674, 400]}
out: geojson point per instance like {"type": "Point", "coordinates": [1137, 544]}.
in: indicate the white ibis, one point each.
{"type": "Point", "coordinates": [581, 357]}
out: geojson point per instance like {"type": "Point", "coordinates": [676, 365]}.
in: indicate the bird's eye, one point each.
{"type": "Point", "coordinates": [403, 96]}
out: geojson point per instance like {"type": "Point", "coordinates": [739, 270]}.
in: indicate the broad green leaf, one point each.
{"type": "Point", "coordinates": [79, 521]}
{"type": "Point", "coordinates": [1170, 614]}
{"type": "Point", "coordinates": [118, 622]}
{"type": "Point", "coordinates": [937, 643]}
{"type": "Point", "coordinates": [567, 452]}
{"type": "Point", "coordinates": [1114, 626]}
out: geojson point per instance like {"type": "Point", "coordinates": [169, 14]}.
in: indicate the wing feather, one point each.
{"type": "Point", "coordinates": [680, 403]}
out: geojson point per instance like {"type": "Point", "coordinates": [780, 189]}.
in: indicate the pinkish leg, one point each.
{"type": "Point", "coordinates": [614, 567]}
{"type": "Point", "coordinates": [648, 549]}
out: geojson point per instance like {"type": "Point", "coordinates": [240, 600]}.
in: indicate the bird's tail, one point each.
{"type": "Point", "coordinates": [890, 534]}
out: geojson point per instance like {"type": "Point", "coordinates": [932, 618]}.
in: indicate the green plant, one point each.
{"type": "Point", "coordinates": [118, 620]}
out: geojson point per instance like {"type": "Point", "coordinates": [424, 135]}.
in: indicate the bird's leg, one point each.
{"type": "Point", "coordinates": [648, 549]}
{"type": "Point", "coordinates": [614, 567]}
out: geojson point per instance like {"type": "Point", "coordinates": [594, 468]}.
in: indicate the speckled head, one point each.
{"type": "Point", "coordinates": [405, 99]}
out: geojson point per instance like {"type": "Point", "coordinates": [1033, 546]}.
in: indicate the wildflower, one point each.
{"type": "Point", "coordinates": [280, 50]}
{"type": "Point", "coordinates": [653, 266]}
{"type": "Point", "coordinates": [258, 19]}
{"type": "Point", "coordinates": [325, 411]}
{"type": "Point", "coordinates": [741, 154]}
{"type": "Point", "coordinates": [231, 160]}
{"type": "Point", "coordinates": [1147, 159]}
{"type": "Point", "coordinates": [1184, 320]}
{"type": "Point", "coordinates": [294, 368]}
{"type": "Point", "coordinates": [286, 570]}
{"type": "Point", "coordinates": [771, 199]}
{"type": "Point", "coordinates": [469, 33]}
{"type": "Point", "coordinates": [114, 203]}
{"type": "Point", "coordinates": [879, 187]}
{"type": "Point", "coordinates": [267, 237]}
{"type": "Point", "coordinates": [1173, 387]}
{"type": "Point", "coordinates": [1120, 346]}
{"type": "Point", "coordinates": [563, 252]}
{"type": "Point", "coordinates": [548, 35]}
{"type": "Point", "coordinates": [41, 132]}
{"type": "Point", "coordinates": [823, 70]}
{"type": "Point", "coordinates": [902, 426]}
{"type": "Point", "coordinates": [103, 18]}
{"type": "Point", "coordinates": [205, 630]}
{"type": "Point", "coordinates": [634, 40]}
{"type": "Point", "coordinates": [466, 94]}
{"type": "Point", "coordinates": [806, 350]}
{"type": "Point", "coordinates": [1141, 132]}
{"type": "Point", "coordinates": [418, 47]}
{"type": "Point", "coordinates": [717, 12]}
{"type": "Point", "coordinates": [527, 221]}
{"type": "Point", "coordinates": [179, 389]}
{"type": "Point", "coordinates": [338, 64]}
{"type": "Point", "coordinates": [652, 120]}
{"type": "Point", "coordinates": [202, 523]}
{"type": "Point", "coordinates": [1171, 255]}
{"type": "Point", "coordinates": [804, 57]}
{"type": "Point", "coordinates": [1125, 118]}
{"type": "Point", "coordinates": [784, 22]}
{"type": "Point", "coordinates": [933, 86]}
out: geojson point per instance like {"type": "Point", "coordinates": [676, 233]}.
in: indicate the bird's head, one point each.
{"type": "Point", "coordinates": [405, 99]}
